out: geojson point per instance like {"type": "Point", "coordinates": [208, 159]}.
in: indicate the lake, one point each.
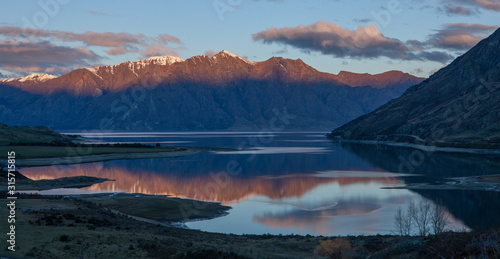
{"type": "Point", "coordinates": [292, 182]}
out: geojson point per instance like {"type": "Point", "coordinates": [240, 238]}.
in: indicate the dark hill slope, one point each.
{"type": "Point", "coordinates": [458, 105]}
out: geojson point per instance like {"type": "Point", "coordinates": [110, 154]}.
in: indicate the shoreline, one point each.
{"type": "Point", "coordinates": [470, 183]}
{"type": "Point", "coordinates": [85, 225]}
{"type": "Point", "coordinates": [425, 147]}
{"type": "Point", "coordinates": [151, 208]}
{"type": "Point", "coordinates": [31, 162]}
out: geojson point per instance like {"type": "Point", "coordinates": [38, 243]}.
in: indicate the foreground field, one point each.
{"type": "Point", "coordinates": [85, 227]}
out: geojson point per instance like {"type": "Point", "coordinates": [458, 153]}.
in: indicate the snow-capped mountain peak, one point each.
{"type": "Point", "coordinates": [135, 66]}
{"type": "Point", "coordinates": [32, 77]}
{"type": "Point", "coordinates": [230, 54]}
{"type": "Point", "coordinates": [163, 60]}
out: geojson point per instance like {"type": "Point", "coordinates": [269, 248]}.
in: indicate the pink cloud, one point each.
{"type": "Point", "coordinates": [31, 50]}
{"type": "Point", "coordinates": [460, 36]}
{"type": "Point", "coordinates": [452, 9]}
{"type": "Point", "coordinates": [493, 5]}
{"type": "Point", "coordinates": [119, 43]}
{"type": "Point", "coordinates": [331, 39]}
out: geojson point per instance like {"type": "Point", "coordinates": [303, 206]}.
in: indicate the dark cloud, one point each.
{"type": "Point", "coordinates": [27, 56]}
{"type": "Point", "coordinates": [452, 9]}
{"type": "Point", "coordinates": [416, 45]}
{"type": "Point", "coordinates": [364, 42]}
{"type": "Point", "coordinates": [281, 52]}
{"type": "Point", "coordinates": [460, 36]}
{"type": "Point", "coordinates": [118, 43]}
{"type": "Point", "coordinates": [437, 56]}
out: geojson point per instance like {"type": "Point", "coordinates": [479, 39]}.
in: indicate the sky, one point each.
{"type": "Point", "coordinates": [363, 36]}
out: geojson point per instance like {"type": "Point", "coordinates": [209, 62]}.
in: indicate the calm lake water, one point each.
{"type": "Point", "coordinates": [292, 182]}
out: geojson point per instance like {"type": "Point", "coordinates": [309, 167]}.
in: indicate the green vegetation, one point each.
{"type": "Point", "coordinates": [42, 142]}
{"type": "Point", "coordinates": [158, 208]}
{"type": "Point", "coordinates": [24, 183]}
{"type": "Point", "coordinates": [69, 151]}
{"type": "Point", "coordinates": [27, 134]}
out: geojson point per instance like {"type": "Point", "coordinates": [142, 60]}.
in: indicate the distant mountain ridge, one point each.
{"type": "Point", "coordinates": [222, 92]}
{"type": "Point", "coordinates": [459, 105]}
{"type": "Point", "coordinates": [387, 79]}
{"type": "Point", "coordinates": [222, 69]}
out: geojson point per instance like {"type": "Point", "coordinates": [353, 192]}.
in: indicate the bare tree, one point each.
{"type": "Point", "coordinates": [425, 217]}
{"type": "Point", "coordinates": [403, 220]}
{"type": "Point", "coordinates": [399, 219]}
{"type": "Point", "coordinates": [439, 220]}
{"type": "Point", "coordinates": [408, 223]}
{"type": "Point", "coordinates": [422, 216]}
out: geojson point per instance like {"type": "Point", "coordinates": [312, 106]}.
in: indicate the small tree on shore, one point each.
{"type": "Point", "coordinates": [402, 222]}
{"type": "Point", "coordinates": [398, 222]}
{"type": "Point", "coordinates": [425, 217]}
{"type": "Point", "coordinates": [422, 217]}
{"type": "Point", "coordinates": [439, 220]}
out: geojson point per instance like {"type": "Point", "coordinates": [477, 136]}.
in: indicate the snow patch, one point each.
{"type": "Point", "coordinates": [32, 77]}
{"type": "Point", "coordinates": [94, 70]}
{"type": "Point", "coordinates": [138, 65]}
{"type": "Point", "coordinates": [227, 53]}
{"type": "Point", "coordinates": [163, 60]}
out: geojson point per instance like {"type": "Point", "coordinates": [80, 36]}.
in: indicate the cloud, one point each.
{"type": "Point", "coordinates": [210, 53]}
{"type": "Point", "coordinates": [97, 13]}
{"type": "Point", "coordinates": [281, 52]}
{"type": "Point", "coordinates": [418, 70]}
{"type": "Point", "coordinates": [460, 36]}
{"type": "Point", "coordinates": [364, 20]}
{"type": "Point", "coordinates": [158, 50]}
{"type": "Point", "coordinates": [116, 51]}
{"type": "Point", "coordinates": [31, 50]}
{"type": "Point", "coordinates": [452, 9]}
{"type": "Point", "coordinates": [331, 39]}
{"type": "Point", "coordinates": [493, 5]}
{"type": "Point", "coordinates": [27, 56]}
{"type": "Point", "coordinates": [437, 56]}
{"type": "Point", "coordinates": [364, 42]}
{"type": "Point", "coordinates": [118, 43]}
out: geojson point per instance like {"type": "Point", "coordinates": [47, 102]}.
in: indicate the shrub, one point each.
{"type": "Point", "coordinates": [339, 247]}
{"type": "Point", "coordinates": [64, 238]}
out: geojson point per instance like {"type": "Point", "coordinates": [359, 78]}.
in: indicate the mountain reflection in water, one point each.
{"type": "Point", "coordinates": [296, 183]}
{"type": "Point", "coordinates": [477, 209]}
{"type": "Point", "coordinates": [195, 187]}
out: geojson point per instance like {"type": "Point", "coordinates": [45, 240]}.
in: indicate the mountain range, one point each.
{"type": "Point", "coordinates": [459, 106]}
{"type": "Point", "coordinates": [221, 92]}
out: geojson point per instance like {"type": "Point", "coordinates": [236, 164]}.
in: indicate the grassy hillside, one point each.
{"type": "Point", "coordinates": [27, 134]}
